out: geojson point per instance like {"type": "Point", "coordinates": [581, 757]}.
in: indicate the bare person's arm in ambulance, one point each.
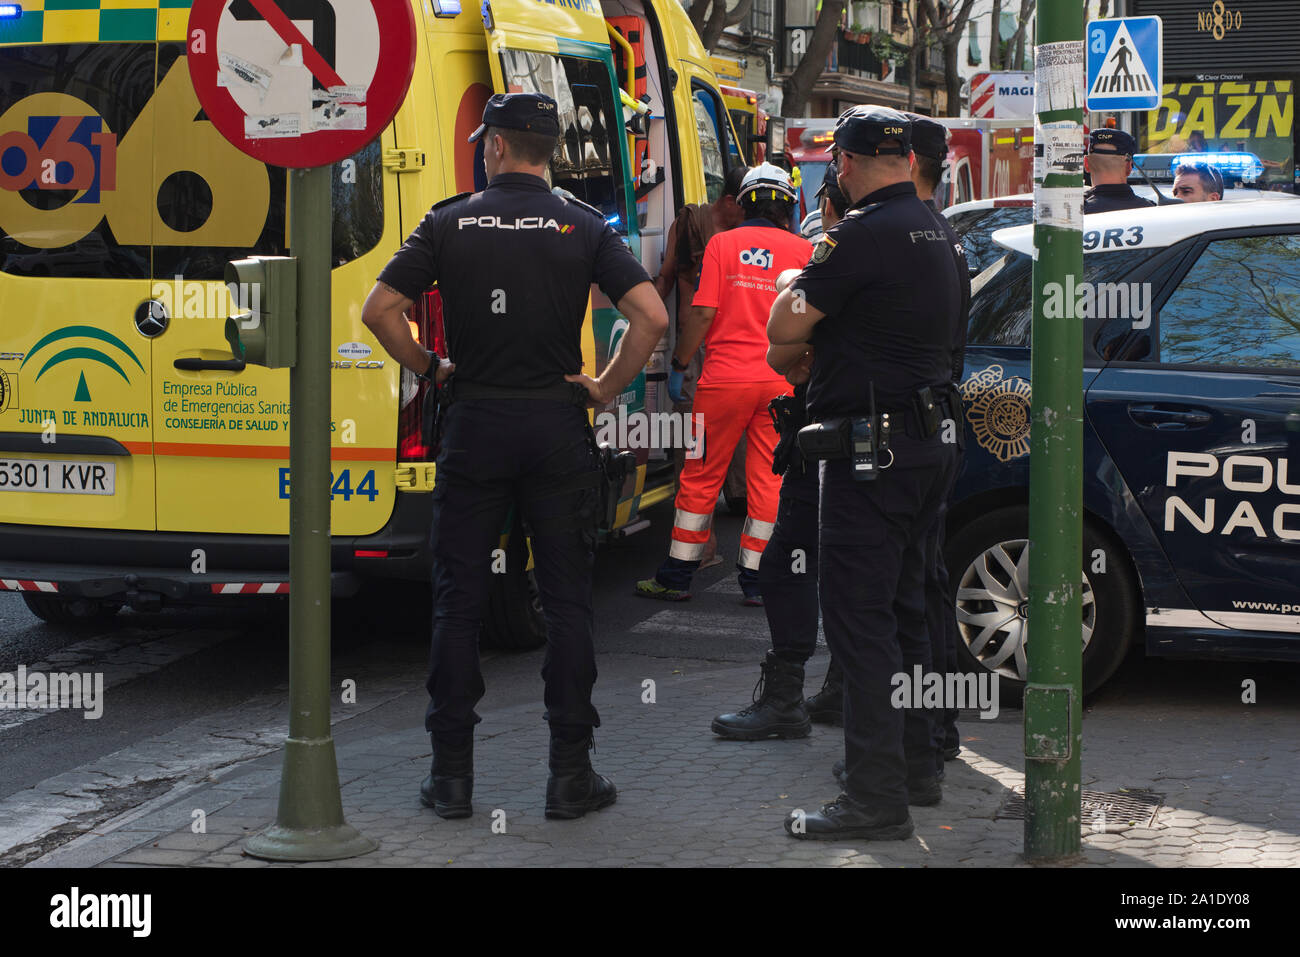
{"type": "Point", "coordinates": [647, 322]}
{"type": "Point", "coordinates": [667, 278]}
{"type": "Point", "coordinates": [384, 314]}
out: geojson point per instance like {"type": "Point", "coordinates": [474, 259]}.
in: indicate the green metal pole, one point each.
{"type": "Point", "coordinates": [309, 825]}
{"type": "Point", "coordinates": [1053, 699]}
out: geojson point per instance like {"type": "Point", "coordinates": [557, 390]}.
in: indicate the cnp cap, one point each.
{"type": "Point", "coordinates": [530, 112]}
{"type": "Point", "coordinates": [830, 187]}
{"type": "Point", "coordinates": [1111, 141]}
{"type": "Point", "coordinates": [861, 129]}
{"type": "Point", "coordinates": [764, 178]}
{"type": "Point", "coordinates": [928, 137]}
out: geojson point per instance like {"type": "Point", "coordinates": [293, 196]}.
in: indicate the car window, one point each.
{"type": "Point", "coordinates": [588, 159]}
{"type": "Point", "coordinates": [711, 140]}
{"type": "Point", "coordinates": [1239, 305]}
{"type": "Point", "coordinates": [1001, 309]}
{"type": "Point", "coordinates": [976, 231]}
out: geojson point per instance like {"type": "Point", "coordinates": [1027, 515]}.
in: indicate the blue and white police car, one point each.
{"type": "Point", "coordinates": [1191, 440]}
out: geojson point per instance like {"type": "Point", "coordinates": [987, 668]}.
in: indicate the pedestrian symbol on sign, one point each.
{"type": "Point", "coordinates": [1124, 64]}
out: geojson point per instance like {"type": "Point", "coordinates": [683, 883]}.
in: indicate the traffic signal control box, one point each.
{"type": "Point", "coordinates": [264, 330]}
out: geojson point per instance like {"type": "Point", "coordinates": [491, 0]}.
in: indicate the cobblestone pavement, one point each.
{"type": "Point", "coordinates": [688, 798]}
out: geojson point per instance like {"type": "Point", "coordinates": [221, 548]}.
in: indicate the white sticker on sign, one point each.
{"type": "Point", "coordinates": [268, 127]}
{"type": "Point", "coordinates": [235, 70]}
{"type": "Point", "coordinates": [328, 113]}
{"type": "Point", "coordinates": [348, 94]}
{"type": "Point", "coordinates": [1059, 207]}
{"type": "Point", "coordinates": [1059, 74]}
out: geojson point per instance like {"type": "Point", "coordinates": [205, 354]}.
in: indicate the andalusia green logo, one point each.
{"type": "Point", "coordinates": [63, 349]}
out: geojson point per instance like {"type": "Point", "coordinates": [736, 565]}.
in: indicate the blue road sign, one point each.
{"type": "Point", "coordinates": [1124, 68]}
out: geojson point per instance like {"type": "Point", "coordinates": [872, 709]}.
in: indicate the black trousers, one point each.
{"type": "Point", "coordinates": [787, 572]}
{"type": "Point", "coordinates": [941, 617]}
{"type": "Point", "coordinates": [497, 453]}
{"type": "Point", "coordinates": [872, 586]}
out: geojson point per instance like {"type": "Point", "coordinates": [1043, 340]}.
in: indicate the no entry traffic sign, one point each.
{"type": "Point", "coordinates": [301, 83]}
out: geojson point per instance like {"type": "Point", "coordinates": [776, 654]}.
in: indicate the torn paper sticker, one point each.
{"type": "Point", "coordinates": [268, 127]}
{"type": "Point", "coordinates": [233, 71]}
{"type": "Point", "coordinates": [1058, 150]}
{"type": "Point", "coordinates": [334, 113]}
{"type": "Point", "coordinates": [1058, 76]}
{"type": "Point", "coordinates": [348, 94]}
{"type": "Point", "coordinates": [1059, 207]}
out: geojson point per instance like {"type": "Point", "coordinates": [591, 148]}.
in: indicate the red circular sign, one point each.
{"type": "Point", "coordinates": [301, 83]}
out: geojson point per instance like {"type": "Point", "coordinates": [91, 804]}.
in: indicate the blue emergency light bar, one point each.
{"type": "Point", "coordinates": [1246, 167]}
{"type": "Point", "coordinates": [446, 8]}
{"type": "Point", "coordinates": [10, 11]}
{"type": "Point", "coordinates": [1233, 167]}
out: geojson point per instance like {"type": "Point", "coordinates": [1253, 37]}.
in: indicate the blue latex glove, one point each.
{"type": "Point", "coordinates": [675, 385]}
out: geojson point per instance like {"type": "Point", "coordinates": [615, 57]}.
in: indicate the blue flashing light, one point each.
{"type": "Point", "coordinates": [10, 11]}
{"type": "Point", "coordinates": [1246, 167]}
{"type": "Point", "coordinates": [446, 8]}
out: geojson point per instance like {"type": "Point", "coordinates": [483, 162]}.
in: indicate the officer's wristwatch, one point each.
{"type": "Point", "coordinates": [678, 366]}
{"type": "Point", "coordinates": [430, 375]}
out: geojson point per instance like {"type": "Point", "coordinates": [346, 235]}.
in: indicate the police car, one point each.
{"type": "Point", "coordinates": [1191, 440]}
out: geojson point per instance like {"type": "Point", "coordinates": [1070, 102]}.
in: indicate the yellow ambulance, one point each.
{"type": "Point", "coordinates": [140, 463]}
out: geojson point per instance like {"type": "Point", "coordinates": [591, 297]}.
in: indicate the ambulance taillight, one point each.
{"type": "Point", "coordinates": [426, 327]}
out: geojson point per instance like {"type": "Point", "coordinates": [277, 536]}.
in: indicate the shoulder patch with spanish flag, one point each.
{"type": "Point", "coordinates": [823, 249]}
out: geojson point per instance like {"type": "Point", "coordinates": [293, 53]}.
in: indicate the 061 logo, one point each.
{"type": "Point", "coordinates": [762, 258]}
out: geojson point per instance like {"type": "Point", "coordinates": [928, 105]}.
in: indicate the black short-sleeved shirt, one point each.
{"type": "Point", "coordinates": [963, 274]}
{"type": "Point", "coordinates": [886, 278]}
{"type": "Point", "coordinates": [514, 265]}
{"type": "Point", "coordinates": [1111, 196]}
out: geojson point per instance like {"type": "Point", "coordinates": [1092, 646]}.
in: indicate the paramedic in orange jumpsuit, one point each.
{"type": "Point", "coordinates": [729, 313]}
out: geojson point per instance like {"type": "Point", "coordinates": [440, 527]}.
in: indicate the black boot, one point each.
{"type": "Point", "coordinates": [574, 788]}
{"type": "Point", "coordinates": [777, 710]}
{"type": "Point", "coordinates": [827, 705]}
{"type": "Point", "coordinates": [450, 783]}
{"type": "Point", "coordinates": [921, 792]}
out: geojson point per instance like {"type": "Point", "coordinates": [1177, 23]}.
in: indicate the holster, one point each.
{"type": "Point", "coordinates": [789, 415]}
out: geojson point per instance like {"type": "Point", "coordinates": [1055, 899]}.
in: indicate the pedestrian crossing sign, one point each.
{"type": "Point", "coordinates": [1124, 70]}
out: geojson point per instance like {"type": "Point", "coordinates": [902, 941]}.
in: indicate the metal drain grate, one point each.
{"type": "Point", "coordinates": [1103, 811]}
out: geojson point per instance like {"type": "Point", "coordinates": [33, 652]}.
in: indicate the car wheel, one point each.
{"type": "Point", "coordinates": [989, 572]}
{"type": "Point", "coordinates": [514, 620]}
{"type": "Point", "coordinates": [70, 611]}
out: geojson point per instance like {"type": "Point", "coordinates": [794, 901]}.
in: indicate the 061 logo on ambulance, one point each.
{"type": "Point", "coordinates": [57, 142]}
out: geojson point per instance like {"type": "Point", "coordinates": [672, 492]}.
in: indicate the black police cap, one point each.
{"type": "Point", "coordinates": [1111, 141]}
{"type": "Point", "coordinates": [928, 137]}
{"type": "Point", "coordinates": [530, 112]}
{"type": "Point", "coordinates": [831, 187]}
{"type": "Point", "coordinates": [861, 129]}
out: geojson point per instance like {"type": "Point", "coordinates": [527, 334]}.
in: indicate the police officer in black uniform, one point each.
{"type": "Point", "coordinates": [930, 147]}
{"type": "Point", "coordinates": [878, 302]}
{"type": "Point", "coordinates": [1109, 161]}
{"type": "Point", "coordinates": [514, 265]}
{"type": "Point", "coordinates": [787, 572]}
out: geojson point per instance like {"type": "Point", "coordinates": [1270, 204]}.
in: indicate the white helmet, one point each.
{"type": "Point", "coordinates": [767, 182]}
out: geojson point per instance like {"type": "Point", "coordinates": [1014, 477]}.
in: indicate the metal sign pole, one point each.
{"type": "Point", "coordinates": [1053, 699]}
{"type": "Point", "coordinates": [309, 824]}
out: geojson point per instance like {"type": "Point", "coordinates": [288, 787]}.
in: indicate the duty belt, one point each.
{"type": "Point", "coordinates": [570, 392]}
